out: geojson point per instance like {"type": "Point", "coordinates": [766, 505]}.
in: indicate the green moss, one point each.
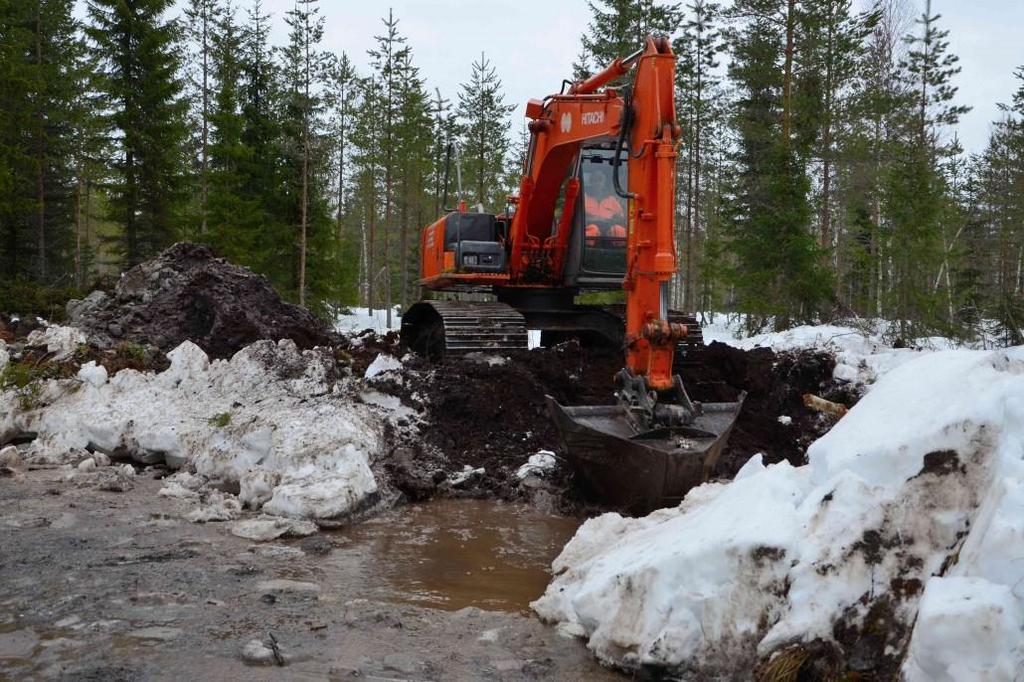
{"type": "Point", "coordinates": [220, 420]}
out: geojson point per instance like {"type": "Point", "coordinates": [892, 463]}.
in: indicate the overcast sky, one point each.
{"type": "Point", "coordinates": [532, 44]}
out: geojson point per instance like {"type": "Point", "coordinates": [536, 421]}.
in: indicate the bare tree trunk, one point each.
{"type": "Point", "coordinates": [688, 268]}
{"type": "Point", "coordinates": [40, 159]}
{"type": "Point", "coordinates": [78, 231]}
{"type": "Point", "coordinates": [204, 180]}
{"type": "Point", "coordinates": [305, 174]}
{"type": "Point", "coordinates": [787, 78]}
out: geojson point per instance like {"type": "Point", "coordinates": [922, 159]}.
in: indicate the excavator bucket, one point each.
{"type": "Point", "coordinates": [638, 471]}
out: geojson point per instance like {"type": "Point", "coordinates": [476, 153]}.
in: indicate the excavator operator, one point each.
{"type": "Point", "coordinates": [604, 210]}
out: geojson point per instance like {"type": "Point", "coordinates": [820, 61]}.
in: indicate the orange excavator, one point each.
{"type": "Point", "coordinates": [595, 212]}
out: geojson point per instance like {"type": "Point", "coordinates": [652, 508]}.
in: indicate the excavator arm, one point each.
{"type": "Point", "coordinates": [641, 119]}
{"type": "Point", "coordinates": [655, 444]}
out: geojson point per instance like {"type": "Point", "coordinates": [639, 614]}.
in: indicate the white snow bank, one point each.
{"type": "Point", "coordinates": [360, 319]}
{"type": "Point", "coordinates": [382, 363]}
{"type": "Point", "coordinates": [5, 355]}
{"type": "Point", "coordinates": [924, 477]}
{"type": "Point", "coordinates": [861, 356]}
{"type": "Point", "coordinates": [269, 419]}
{"type": "Point", "coordinates": [60, 341]}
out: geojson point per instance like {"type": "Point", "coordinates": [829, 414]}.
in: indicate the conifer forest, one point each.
{"type": "Point", "coordinates": [820, 174]}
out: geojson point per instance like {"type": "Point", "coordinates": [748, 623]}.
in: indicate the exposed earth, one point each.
{"type": "Point", "coordinates": [111, 582]}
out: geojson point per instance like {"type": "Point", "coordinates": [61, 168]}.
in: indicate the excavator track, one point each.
{"type": "Point", "coordinates": [440, 329]}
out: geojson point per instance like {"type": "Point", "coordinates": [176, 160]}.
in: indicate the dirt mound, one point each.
{"type": "Point", "coordinates": [187, 293]}
{"type": "Point", "coordinates": [490, 412]}
{"type": "Point", "coordinates": [775, 384]}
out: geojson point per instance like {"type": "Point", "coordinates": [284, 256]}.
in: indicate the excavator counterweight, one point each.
{"type": "Point", "coordinates": [595, 212]}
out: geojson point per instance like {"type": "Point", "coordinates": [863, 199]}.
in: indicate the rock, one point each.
{"type": "Point", "coordinates": [79, 309]}
{"type": "Point", "coordinates": [284, 585]}
{"type": "Point", "coordinates": [101, 459]}
{"type": "Point", "coordinates": [87, 464]}
{"type": "Point", "coordinates": [115, 330]}
{"type": "Point", "coordinates": [18, 643]}
{"type": "Point", "coordinates": [268, 528]}
{"type": "Point", "coordinates": [279, 552]}
{"type": "Point", "coordinates": [256, 652]}
{"type": "Point", "coordinates": [157, 632]}
{"type": "Point", "coordinates": [403, 663]}
{"type": "Point", "coordinates": [317, 544]}
{"type": "Point", "coordinates": [116, 480]}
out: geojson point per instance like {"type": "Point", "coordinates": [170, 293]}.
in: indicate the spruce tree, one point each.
{"type": "Point", "coordinates": [202, 18]}
{"type": "Point", "coordinates": [915, 194]}
{"type": "Point", "coordinates": [484, 123]}
{"type": "Point", "coordinates": [699, 101]}
{"type": "Point", "coordinates": [136, 47]}
{"type": "Point", "coordinates": [40, 75]}
{"type": "Point", "coordinates": [618, 28]}
{"type": "Point", "coordinates": [232, 217]}
{"type": "Point", "coordinates": [777, 273]}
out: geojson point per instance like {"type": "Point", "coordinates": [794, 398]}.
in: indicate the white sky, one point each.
{"type": "Point", "coordinates": [532, 44]}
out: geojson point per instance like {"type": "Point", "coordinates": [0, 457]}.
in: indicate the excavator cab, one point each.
{"type": "Point", "coordinates": [597, 250]}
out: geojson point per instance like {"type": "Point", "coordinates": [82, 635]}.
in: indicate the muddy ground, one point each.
{"type": "Point", "coordinates": [117, 586]}
{"type": "Point", "coordinates": [489, 415]}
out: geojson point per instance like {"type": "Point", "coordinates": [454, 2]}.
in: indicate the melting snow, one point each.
{"type": "Point", "coordinates": [382, 363]}
{"type": "Point", "coordinates": [922, 481]}
{"type": "Point", "coordinates": [270, 420]}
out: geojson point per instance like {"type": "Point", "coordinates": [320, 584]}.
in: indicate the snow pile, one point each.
{"type": "Point", "coordinates": [5, 355]}
{"type": "Point", "coordinates": [919, 489]}
{"type": "Point", "coordinates": [381, 364]}
{"type": "Point", "coordinates": [270, 420]}
{"type": "Point", "coordinates": [359, 319]}
{"type": "Point", "coordinates": [544, 461]}
{"type": "Point", "coordinates": [60, 341]}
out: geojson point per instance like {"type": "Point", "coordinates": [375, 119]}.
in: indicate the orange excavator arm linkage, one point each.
{"type": "Point", "coordinates": [643, 121]}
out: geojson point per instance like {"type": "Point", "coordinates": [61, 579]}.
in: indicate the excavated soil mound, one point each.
{"type": "Point", "coordinates": [187, 293]}
{"type": "Point", "coordinates": [488, 415]}
{"type": "Point", "coordinates": [775, 384]}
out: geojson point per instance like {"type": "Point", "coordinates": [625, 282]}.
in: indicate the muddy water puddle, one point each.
{"type": "Point", "coordinates": [450, 554]}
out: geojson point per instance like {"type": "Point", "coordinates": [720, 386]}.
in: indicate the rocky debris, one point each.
{"type": "Point", "coordinates": [119, 479]}
{"type": "Point", "coordinates": [188, 294]}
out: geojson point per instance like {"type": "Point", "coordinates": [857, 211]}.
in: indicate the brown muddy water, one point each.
{"type": "Point", "coordinates": [118, 586]}
{"type": "Point", "coordinates": [450, 554]}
